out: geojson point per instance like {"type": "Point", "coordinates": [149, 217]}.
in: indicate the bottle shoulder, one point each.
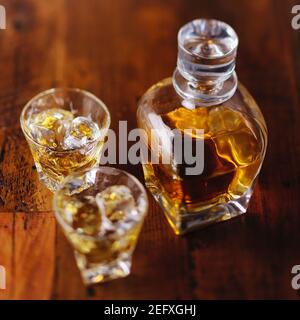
{"type": "Point", "coordinates": [162, 99]}
{"type": "Point", "coordinates": [239, 116]}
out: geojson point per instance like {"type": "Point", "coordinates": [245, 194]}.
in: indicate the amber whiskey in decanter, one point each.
{"type": "Point", "coordinates": [203, 94]}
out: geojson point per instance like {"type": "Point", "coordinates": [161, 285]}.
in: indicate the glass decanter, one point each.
{"type": "Point", "coordinates": [203, 94]}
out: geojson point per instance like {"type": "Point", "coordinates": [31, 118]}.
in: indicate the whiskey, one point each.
{"type": "Point", "coordinates": [101, 212]}
{"type": "Point", "coordinates": [232, 156]}
{"type": "Point", "coordinates": [63, 143]}
{"type": "Point", "coordinates": [203, 94]}
{"type": "Point", "coordinates": [111, 229]}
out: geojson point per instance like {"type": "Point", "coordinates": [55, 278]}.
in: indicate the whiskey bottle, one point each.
{"type": "Point", "coordinates": [203, 94]}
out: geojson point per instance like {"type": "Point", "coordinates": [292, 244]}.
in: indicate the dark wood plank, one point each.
{"type": "Point", "coordinates": [20, 187]}
{"type": "Point", "coordinates": [34, 237]}
{"type": "Point", "coordinates": [7, 249]}
{"type": "Point", "coordinates": [117, 49]}
{"type": "Point", "coordinates": [28, 252]}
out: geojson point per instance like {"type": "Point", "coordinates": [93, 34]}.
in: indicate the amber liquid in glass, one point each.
{"type": "Point", "coordinates": [54, 156]}
{"type": "Point", "coordinates": [232, 156]}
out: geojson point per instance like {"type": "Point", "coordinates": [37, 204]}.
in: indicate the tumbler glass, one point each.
{"type": "Point", "coordinates": [65, 130]}
{"type": "Point", "coordinates": [101, 212]}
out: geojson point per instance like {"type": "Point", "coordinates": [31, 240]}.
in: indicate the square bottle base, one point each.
{"type": "Point", "coordinates": [183, 221]}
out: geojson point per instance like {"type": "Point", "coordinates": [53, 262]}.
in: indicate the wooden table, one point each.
{"type": "Point", "coordinates": [117, 49]}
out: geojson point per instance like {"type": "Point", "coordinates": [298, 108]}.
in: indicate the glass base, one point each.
{"type": "Point", "coordinates": [184, 220]}
{"type": "Point", "coordinates": [51, 184]}
{"type": "Point", "coordinates": [103, 272]}
{"type": "Point", "coordinates": [54, 184]}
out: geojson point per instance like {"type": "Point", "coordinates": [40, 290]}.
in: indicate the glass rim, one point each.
{"type": "Point", "coordinates": [67, 89]}
{"type": "Point", "coordinates": [68, 228]}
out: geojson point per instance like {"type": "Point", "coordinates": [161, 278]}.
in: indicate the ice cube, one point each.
{"type": "Point", "coordinates": [48, 127]}
{"type": "Point", "coordinates": [110, 212]}
{"type": "Point", "coordinates": [43, 136]}
{"type": "Point", "coordinates": [51, 118]}
{"type": "Point", "coordinates": [85, 217]}
{"type": "Point", "coordinates": [81, 131]}
{"type": "Point", "coordinates": [117, 208]}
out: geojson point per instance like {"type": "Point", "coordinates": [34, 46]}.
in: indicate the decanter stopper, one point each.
{"type": "Point", "coordinates": [206, 61]}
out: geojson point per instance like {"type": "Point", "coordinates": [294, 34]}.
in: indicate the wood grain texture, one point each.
{"type": "Point", "coordinates": [117, 49]}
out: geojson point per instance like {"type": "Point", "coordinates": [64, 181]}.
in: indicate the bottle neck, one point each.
{"type": "Point", "coordinates": [204, 92]}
